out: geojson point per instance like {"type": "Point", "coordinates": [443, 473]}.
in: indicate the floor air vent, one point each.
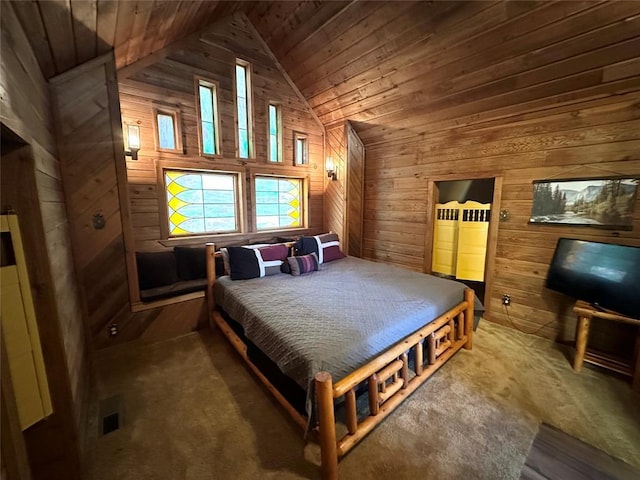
{"type": "Point", "coordinates": [110, 414]}
{"type": "Point", "coordinates": [110, 423]}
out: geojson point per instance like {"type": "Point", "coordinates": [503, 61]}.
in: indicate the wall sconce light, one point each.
{"type": "Point", "coordinates": [331, 169]}
{"type": "Point", "coordinates": [504, 215]}
{"type": "Point", "coordinates": [133, 141]}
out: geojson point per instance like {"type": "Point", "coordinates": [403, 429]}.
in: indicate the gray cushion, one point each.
{"type": "Point", "coordinates": [156, 269]}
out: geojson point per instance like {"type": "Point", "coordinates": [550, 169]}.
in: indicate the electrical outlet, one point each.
{"type": "Point", "coordinates": [506, 299]}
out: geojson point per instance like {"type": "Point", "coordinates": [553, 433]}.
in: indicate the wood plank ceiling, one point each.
{"type": "Point", "coordinates": [379, 62]}
{"type": "Point", "coordinates": [404, 68]}
{"type": "Point", "coordinates": [66, 33]}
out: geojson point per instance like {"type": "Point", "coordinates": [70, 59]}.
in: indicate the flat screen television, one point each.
{"type": "Point", "coordinates": [603, 274]}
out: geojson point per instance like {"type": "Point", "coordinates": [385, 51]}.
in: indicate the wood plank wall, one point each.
{"type": "Point", "coordinates": [86, 106]}
{"type": "Point", "coordinates": [335, 191]}
{"type": "Point", "coordinates": [355, 192]}
{"type": "Point", "coordinates": [167, 78]}
{"type": "Point", "coordinates": [32, 184]}
{"type": "Point", "coordinates": [344, 197]}
{"type": "Point", "coordinates": [92, 150]}
{"type": "Point", "coordinates": [517, 99]}
{"type": "Point", "coordinates": [87, 137]}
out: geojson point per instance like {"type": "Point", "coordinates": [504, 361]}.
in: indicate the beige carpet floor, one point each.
{"type": "Point", "coordinates": [193, 411]}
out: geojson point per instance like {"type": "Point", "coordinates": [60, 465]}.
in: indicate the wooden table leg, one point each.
{"type": "Point", "coordinates": [582, 333]}
{"type": "Point", "coordinates": [635, 382]}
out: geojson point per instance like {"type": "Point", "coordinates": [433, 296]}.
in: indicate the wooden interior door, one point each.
{"type": "Point", "coordinates": [473, 229]}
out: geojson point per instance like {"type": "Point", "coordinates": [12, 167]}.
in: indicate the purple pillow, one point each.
{"type": "Point", "coordinates": [303, 264]}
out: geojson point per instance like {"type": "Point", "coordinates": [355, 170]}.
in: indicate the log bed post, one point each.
{"type": "Point", "coordinates": [352, 411]}
{"type": "Point", "coordinates": [211, 278]}
{"type": "Point", "coordinates": [327, 426]}
{"type": "Point", "coordinates": [469, 297]}
{"type": "Point", "coordinates": [419, 364]}
{"type": "Point", "coordinates": [460, 325]}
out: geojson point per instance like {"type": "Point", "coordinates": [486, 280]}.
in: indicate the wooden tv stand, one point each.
{"type": "Point", "coordinates": [585, 313]}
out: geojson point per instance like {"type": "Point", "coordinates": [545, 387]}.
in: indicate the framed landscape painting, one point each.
{"type": "Point", "coordinates": [598, 202]}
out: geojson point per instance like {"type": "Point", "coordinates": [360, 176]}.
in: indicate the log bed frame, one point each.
{"type": "Point", "coordinates": [387, 376]}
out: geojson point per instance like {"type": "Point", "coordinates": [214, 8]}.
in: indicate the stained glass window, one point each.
{"type": "Point", "coordinates": [208, 121]}
{"type": "Point", "coordinates": [199, 202]}
{"type": "Point", "coordinates": [166, 131]}
{"type": "Point", "coordinates": [275, 134]}
{"type": "Point", "coordinates": [278, 202]}
{"type": "Point", "coordinates": [244, 107]}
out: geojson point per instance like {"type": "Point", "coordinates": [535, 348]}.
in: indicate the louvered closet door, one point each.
{"type": "Point", "coordinates": [473, 229]}
{"type": "Point", "coordinates": [445, 238]}
{"type": "Point", "coordinates": [20, 330]}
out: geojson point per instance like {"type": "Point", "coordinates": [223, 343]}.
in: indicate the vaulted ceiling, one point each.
{"type": "Point", "coordinates": [66, 33]}
{"type": "Point", "coordinates": [394, 68]}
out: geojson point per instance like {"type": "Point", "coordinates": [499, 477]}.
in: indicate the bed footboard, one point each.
{"type": "Point", "coordinates": [389, 381]}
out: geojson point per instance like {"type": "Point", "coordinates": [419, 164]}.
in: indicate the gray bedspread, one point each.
{"type": "Point", "coordinates": [335, 319]}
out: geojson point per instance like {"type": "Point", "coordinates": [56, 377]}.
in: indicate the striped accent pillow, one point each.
{"type": "Point", "coordinates": [303, 264]}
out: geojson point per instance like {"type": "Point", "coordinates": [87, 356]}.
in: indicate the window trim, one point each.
{"type": "Point", "coordinates": [215, 86]}
{"type": "Point", "coordinates": [279, 134]}
{"type": "Point", "coordinates": [177, 128]}
{"type": "Point", "coordinates": [241, 207]}
{"type": "Point", "coordinates": [301, 136]}
{"type": "Point", "coordinates": [250, 113]}
{"type": "Point", "coordinates": [304, 196]}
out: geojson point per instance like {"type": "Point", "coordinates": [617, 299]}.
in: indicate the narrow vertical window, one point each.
{"type": "Point", "coordinates": [275, 133]}
{"type": "Point", "coordinates": [208, 111]}
{"type": "Point", "coordinates": [300, 149]}
{"type": "Point", "coordinates": [166, 131]}
{"type": "Point", "coordinates": [243, 101]}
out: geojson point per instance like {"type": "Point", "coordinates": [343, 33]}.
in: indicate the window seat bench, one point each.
{"type": "Point", "coordinates": [171, 273]}
{"type": "Point", "coordinates": [167, 274]}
